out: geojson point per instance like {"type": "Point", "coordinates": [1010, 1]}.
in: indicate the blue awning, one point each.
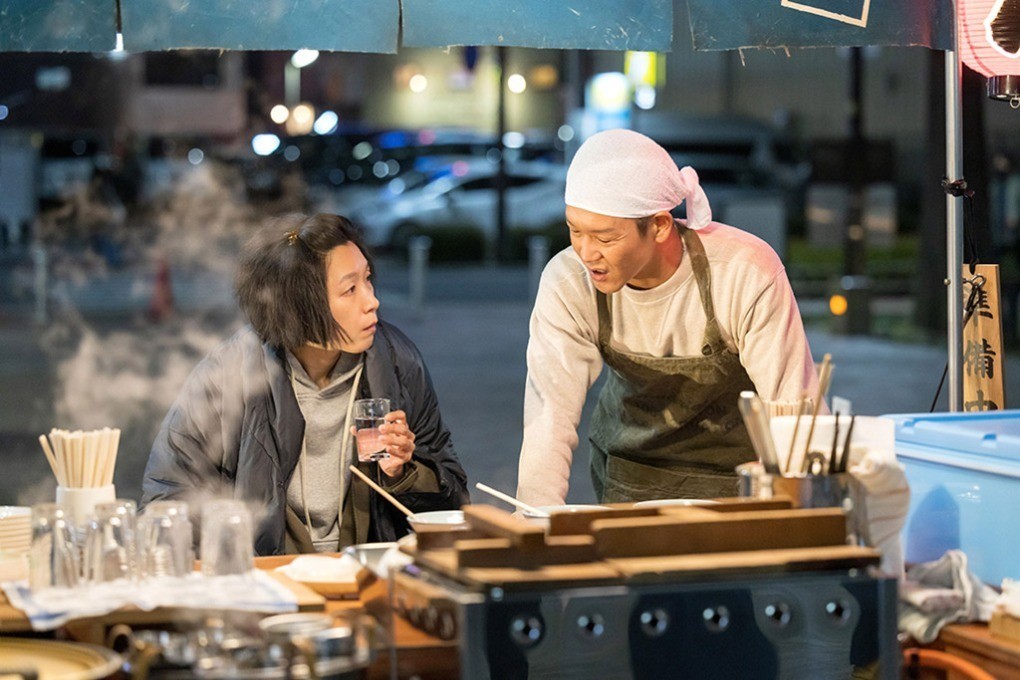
{"type": "Point", "coordinates": [572, 24]}
{"type": "Point", "coordinates": [58, 25]}
{"type": "Point", "coordinates": [334, 25]}
{"type": "Point", "coordinates": [736, 24]}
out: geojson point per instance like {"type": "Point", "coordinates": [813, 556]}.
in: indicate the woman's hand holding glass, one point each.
{"type": "Point", "coordinates": [398, 440]}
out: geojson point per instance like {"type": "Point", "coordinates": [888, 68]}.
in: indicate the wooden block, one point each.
{"type": "Point", "coordinates": [1003, 625]}
{"type": "Point", "coordinates": [545, 577]}
{"type": "Point", "coordinates": [746, 504]}
{"type": "Point", "coordinates": [432, 540]}
{"type": "Point", "coordinates": [567, 523]}
{"type": "Point", "coordinates": [677, 534]}
{"type": "Point", "coordinates": [690, 567]}
{"type": "Point", "coordinates": [500, 552]}
{"type": "Point", "coordinates": [501, 524]}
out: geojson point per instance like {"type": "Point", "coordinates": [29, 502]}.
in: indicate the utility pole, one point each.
{"type": "Point", "coordinates": [854, 285]}
{"type": "Point", "coordinates": [500, 245]}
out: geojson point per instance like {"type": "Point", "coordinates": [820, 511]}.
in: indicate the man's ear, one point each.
{"type": "Point", "coordinates": [662, 226]}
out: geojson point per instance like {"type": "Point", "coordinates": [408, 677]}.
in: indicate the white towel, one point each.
{"type": "Point", "coordinates": [886, 505]}
{"type": "Point", "coordinates": [256, 591]}
{"type": "Point", "coordinates": [1009, 601]}
{"type": "Point", "coordinates": [955, 595]}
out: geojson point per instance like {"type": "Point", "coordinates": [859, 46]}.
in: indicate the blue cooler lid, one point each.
{"type": "Point", "coordinates": [984, 433]}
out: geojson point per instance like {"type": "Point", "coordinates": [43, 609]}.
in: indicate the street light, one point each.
{"type": "Point", "coordinates": [292, 75]}
{"type": "Point", "coordinates": [303, 58]}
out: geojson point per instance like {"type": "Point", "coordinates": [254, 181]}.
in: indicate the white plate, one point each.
{"type": "Point", "coordinates": [14, 511]}
{"type": "Point", "coordinates": [570, 507]}
{"type": "Point", "coordinates": [668, 502]}
{"type": "Point", "coordinates": [322, 569]}
{"type": "Point", "coordinates": [379, 558]}
{"type": "Point", "coordinates": [437, 519]}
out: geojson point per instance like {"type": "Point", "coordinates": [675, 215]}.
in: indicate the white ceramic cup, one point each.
{"type": "Point", "coordinates": [80, 503]}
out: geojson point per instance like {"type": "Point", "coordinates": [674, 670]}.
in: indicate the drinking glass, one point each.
{"type": "Point", "coordinates": [111, 544]}
{"type": "Point", "coordinates": [369, 414]}
{"type": "Point", "coordinates": [165, 539]}
{"type": "Point", "coordinates": [53, 557]}
{"type": "Point", "coordinates": [227, 544]}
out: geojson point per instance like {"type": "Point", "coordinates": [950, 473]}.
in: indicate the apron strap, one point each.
{"type": "Point", "coordinates": [605, 319]}
{"type": "Point", "coordinates": [703, 277]}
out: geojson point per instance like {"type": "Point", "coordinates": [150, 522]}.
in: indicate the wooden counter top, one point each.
{"type": "Point", "coordinates": [418, 653]}
{"type": "Point", "coordinates": [975, 643]}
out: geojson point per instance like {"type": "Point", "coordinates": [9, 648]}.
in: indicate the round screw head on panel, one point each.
{"type": "Point", "coordinates": [838, 610]}
{"type": "Point", "coordinates": [592, 626]}
{"type": "Point", "coordinates": [654, 622]}
{"type": "Point", "coordinates": [717, 619]}
{"type": "Point", "coordinates": [526, 630]}
{"type": "Point", "coordinates": [778, 613]}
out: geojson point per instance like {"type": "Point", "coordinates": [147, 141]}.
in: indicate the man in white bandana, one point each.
{"type": "Point", "coordinates": [686, 313]}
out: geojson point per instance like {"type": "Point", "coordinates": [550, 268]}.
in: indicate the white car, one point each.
{"type": "Point", "coordinates": [463, 194]}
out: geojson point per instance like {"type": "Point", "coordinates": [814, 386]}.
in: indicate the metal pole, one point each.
{"type": "Point", "coordinates": [500, 244]}
{"type": "Point", "coordinates": [954, 226]}
{"type": "Point", "coordinates": [538, 255]}
{"type": "Point", "coordinates": [41, 282]}
{"type": "Point", "coordinates": [291, 84]}
{"type": "Point", "coordinates": [418, 253]}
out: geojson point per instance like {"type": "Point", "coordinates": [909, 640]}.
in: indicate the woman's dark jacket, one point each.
{"type": "Point", "coordinates": [235, 431]}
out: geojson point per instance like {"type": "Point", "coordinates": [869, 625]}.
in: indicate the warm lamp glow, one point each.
{"type": "Point", "coordinates": [838, 305]}
{"type": "Point", "coordinates": [989, 32]}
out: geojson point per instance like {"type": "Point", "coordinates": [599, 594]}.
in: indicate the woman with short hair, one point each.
{"type": "Point", "coordinates": [266, 416]}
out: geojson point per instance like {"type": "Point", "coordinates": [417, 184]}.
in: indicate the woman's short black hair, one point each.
{"type": "Point", "coordinates": [281, 279]}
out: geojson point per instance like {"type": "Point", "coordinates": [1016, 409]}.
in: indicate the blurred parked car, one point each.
{"type": "Point", "coordinates": [463, 194]}
{"type": "Point", "coordinates": [749, 170]}
{"type": "Point", "coordinates": [66, 165]}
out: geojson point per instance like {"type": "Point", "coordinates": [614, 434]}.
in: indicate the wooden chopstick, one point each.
{"type": "Point", "coordinates": [511, 500]}
{"type": "Point", "coordinates": [381, 491]}
{"type": "Point", "coordinates": [793, 439]}
{"type": "Point", "coordinates": [823, 387]}
{"type": "Point", "coordinates": [50, 458]}
{"type": "Point", "coordinates": [81, 459]}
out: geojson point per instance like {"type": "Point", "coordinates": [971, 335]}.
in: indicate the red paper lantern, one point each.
{"type": "Point", "coordinates": [990, 44]}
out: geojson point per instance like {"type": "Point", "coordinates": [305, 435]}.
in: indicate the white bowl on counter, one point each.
{"type": "Point", "coordinates": [437, 520]}
{"type": "Point", "coordinates": [559, 509]}
{"type": "Point", "coordinates": [570, 507]}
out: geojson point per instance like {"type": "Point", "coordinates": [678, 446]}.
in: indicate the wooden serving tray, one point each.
{"type": "Point", "coordinates": [331, 590]}
{"type": "Point", "coordinates": [625, 543]}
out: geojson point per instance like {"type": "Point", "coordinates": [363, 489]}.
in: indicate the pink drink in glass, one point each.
{"type": "Point", "coordinates": [370, 442]}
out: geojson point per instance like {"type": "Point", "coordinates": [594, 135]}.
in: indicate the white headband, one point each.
{"type": "Point", "coordinates": [622, 173]}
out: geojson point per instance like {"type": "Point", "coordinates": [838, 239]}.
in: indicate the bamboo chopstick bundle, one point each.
{"type": "Point", "coordinates": [82, 459]}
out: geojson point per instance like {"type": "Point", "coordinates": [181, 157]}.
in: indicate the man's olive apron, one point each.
{"type": "Point", "coordinates": [669, 427]}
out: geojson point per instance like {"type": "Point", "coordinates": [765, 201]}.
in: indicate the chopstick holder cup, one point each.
{"type": "Point", "coordinates": [80, 503]}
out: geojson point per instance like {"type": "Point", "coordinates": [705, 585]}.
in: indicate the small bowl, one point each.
{"type": "Point", "coordinates": [674, 502]}
{"type": "Point", "coordinates": [437, 520]}
{"type": "Point", "coordinates": [554, 509]}
{"type": "Point", "coordinates": [543, 520]}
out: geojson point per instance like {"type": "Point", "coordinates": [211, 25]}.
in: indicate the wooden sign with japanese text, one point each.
{"type": "Point", "coordinates": [983, 360]}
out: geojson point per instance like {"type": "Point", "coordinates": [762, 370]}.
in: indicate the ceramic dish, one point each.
{"type": "Point", "coordinates": [331, 577]}
{"type": "Point", "coordinates": [381, 558]}
{"type": "Point", "coordinates": [572, 507]}
{"type": "Point", "coordinates": [53, 660]}
{"type": "Point", "coordinates": [437, 520]}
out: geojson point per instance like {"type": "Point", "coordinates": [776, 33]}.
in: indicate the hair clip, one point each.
{"type": "Point", "coordinates": [292, 237]}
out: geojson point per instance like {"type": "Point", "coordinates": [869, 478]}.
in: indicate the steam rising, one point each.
{"type": "Point", "coordinates": [114, 360]}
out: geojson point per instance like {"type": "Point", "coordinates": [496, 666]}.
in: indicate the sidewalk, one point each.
{"type": "Point", "coordinates": [473, 334]}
